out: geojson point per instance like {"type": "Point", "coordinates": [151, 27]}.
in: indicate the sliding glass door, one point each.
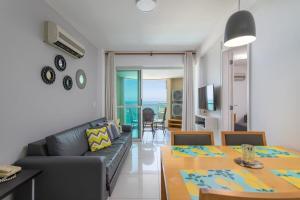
{"type": "Point", "coordinates": [129, 99]}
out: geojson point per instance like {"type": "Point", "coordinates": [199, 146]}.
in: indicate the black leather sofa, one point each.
{"type": "Point", "coordinates": [70, 170]}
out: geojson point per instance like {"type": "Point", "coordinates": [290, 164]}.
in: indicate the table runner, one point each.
{"type": "Point", "coordinates": [270, 152]}
{"type": "Point", "coordinates": [291, 176]}
{"type": "Point", "coordinates": [234, 180]}
{"type": "Point", "coordinates": [196, 151]}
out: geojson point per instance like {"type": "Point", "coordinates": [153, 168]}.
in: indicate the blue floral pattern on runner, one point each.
{"type": "Point", "coordinates": [196, 151]}
{"type": "Point", "coordinates": [233, 180]}
{"type": "Point", "coordinates": [270, 152]}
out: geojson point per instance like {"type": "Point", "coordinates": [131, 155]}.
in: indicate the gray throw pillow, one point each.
{"type": "Point", "coordinates": [110, 134]}
{"type": "Point", "coordinates": [114, 130]}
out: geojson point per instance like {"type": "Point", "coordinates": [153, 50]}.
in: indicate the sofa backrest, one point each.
{"type": "Point", "coordinates": [71, 142]}
{"type": "Point", "coordinates": [97, 122]}
{"type": "Point", "coordinates": [38, 148]}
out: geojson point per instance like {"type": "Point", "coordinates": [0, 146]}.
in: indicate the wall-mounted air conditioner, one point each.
{"type": "Point", "coordinates": [176, 110]}
{"type": "Point", "coordinates": [177, 95]}
{"type": "Point", "coordinates": [57, 37]}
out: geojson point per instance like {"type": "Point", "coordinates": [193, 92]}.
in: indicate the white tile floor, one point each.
{"type": "Point", "coordinates": [140, 176]}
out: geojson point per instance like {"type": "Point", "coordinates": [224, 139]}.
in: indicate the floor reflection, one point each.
{"type": "Point", "coordinates": [139, 177]}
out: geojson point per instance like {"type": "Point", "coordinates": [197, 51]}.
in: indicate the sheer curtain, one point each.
{"type": "Point", "coordinates": [188, 93]}
{"type": "Point", "coordinates": [110, 88]}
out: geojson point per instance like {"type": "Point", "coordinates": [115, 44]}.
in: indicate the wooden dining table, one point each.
{"type": "Point", "coordinates": [173, 186]}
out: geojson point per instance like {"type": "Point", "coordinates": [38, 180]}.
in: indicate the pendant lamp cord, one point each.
{"type": "Point", "coordinates": [239, 4]}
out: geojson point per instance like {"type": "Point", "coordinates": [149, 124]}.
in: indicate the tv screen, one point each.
{"type": "Point", "coordinates": [202, 98]}
{"type": "Point", "coordinates": [210, 98]}
{"type": "Point", "coordinates": [207, 98]}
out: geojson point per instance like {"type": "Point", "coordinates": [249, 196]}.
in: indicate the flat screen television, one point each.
{"type": "Point", "coordinates": [207, 98]}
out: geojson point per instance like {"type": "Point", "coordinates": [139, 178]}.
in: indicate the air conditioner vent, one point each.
{"type": "Point", "coordinates": [177, 95]}
{"type": "Point", "coordinates": [57, 37]}
{"type": "Point", "coordinates": [176, 110]}
{"type": "Point", "coordinates": [70, 42]}
{"type": "Point", "coordinates": [64, 47]}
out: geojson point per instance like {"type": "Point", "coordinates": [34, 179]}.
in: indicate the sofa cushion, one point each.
{"type": "Point", "coordinates": [104, 124]}
{"type": "Point", "coordinates": [98, 138]}
{"type": "Point", "coordinates": [114, 129]}
{"type": "Point", "coordinates": [72, 142]}
{"type": "Point", "coordinates": [38, 148]}
{"type": "Point", "coordinates": [110, 134]}
{"type": "Point", "coordinates": [125, 138]}
{"type": "Point", "coordinates": [112, 155]}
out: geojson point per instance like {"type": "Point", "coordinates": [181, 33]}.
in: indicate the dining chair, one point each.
{"type": "Point", "coordinates": [148, 119]}
{"type": "Point", "coordinates": [160, 123]}
{"type": "Point", "coordinates": [192, 138]}
{"type": "Point", "coordinates": [236, 138]}
{"type": "Point", "coordinates": [209, 194]}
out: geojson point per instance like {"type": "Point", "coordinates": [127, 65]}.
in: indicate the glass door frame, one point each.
{"type": "Point", "coordinates": [139, 105]}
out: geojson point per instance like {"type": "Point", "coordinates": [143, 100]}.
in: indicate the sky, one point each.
{"type": "Point", "coordinates": [153, 90]}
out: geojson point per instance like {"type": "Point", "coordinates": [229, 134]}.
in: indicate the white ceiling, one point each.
{"type": "Point", "coordinates": [175, 25]}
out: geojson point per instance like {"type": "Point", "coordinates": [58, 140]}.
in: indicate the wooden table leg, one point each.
{"type": "Point", "coordinates": [163, 194]}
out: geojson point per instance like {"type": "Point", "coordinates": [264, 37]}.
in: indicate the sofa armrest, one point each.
{"type": "Point", "coordinates": [126, 128]}
{"type": "Point", "coordinates": [68, 177]}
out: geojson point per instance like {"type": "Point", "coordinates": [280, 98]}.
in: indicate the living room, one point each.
{"type": "Point", "coordinates": [54, 97]}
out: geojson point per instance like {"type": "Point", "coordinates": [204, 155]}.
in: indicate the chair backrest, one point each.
{"type": "Point", "coordinates": [207, 194]}
{"type": "Point", "coordinates": [165, 113]}
{"type": "Point", "coordinates": [148, 115]}
{"type": "Point", "coordinates": [192, 138]}
{"type": "Point", "coordinates": [243, 137]}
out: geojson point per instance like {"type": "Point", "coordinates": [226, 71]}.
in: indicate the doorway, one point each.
{"type": "Point", "coordinates": [145, 87]}
{"type": "Point", "coordinates": [235, 89]}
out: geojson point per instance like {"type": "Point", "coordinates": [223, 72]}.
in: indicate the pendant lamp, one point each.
{"type": "Point", "coordinates": [240, 29]}
{"type": "Point", "coordinates": [146, 5]}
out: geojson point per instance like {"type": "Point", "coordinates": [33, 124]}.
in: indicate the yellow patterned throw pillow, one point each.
{"type": "Point", "coordinates": [98, 138]}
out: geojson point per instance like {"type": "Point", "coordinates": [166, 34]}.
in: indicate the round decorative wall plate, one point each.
{"type": "Point", "coordinates": [60, 63]}
{"type": "Point", "coordinates": [67, 82]}
{"type": "Point", "coordinates": [80, 79]}
{"type": "Point", "coordinates": [48, 75]}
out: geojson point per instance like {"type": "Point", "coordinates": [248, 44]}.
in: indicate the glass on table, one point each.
{"type": "Point", "coordinates": [248, 153]}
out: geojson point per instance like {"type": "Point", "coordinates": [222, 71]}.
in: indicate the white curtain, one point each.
{"type": "Point", "coordinates": [110, 88]}
{"type": "Point", "coordinates": [188, 93]}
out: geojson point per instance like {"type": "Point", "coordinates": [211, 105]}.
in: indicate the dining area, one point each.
{"type": "Point", "coordinates": [244, 167]}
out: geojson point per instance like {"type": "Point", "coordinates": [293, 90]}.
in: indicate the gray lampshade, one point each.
{"type": "Point", "coordinates": [240, 29]}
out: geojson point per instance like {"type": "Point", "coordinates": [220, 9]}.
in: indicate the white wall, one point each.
{"type": "Point", "coordinates": [31, 110]}
{"type": "Point", "coordinates": [275, 71]}
{"type": "Point", "coordinates": [210, 69]}
{"type": "Point", "coordinates": [210, 73]}
{"type": "Point", "coordinates": [101, 83]}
